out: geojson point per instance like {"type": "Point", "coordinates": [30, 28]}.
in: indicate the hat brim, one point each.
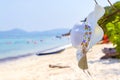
{"type": "Point", "coordinates": [97, 36]}
{"type": "Point", "coordinates": [92, 19]}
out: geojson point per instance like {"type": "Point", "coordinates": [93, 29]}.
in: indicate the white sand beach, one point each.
{"type": "Point", "coordinates": [37, 67]}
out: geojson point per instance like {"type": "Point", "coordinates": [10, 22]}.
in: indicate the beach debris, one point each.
{"type": "Point", "coordinates": [109, 53]}
{"type": "Point", "coordinates": [58, 66]}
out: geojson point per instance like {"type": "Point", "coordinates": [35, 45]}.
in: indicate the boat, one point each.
{"type": "Point", "coordinates": [55, 51]}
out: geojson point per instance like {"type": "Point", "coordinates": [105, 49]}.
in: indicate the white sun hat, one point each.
{"type": "Point", "coordinates": [85, 35]}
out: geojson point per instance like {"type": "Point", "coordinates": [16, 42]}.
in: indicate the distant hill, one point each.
{"type": "Point", "coordinates": [13, 31]}
{"type": "Point", "coordinates": [41, 33]}
{"type": "Point", "coordinates": [55, 31]}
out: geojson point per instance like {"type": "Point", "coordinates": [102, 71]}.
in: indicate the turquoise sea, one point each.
{"type": "Point", "coordinates": [11, 46]}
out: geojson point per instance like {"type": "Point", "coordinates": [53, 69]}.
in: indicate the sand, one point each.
{"type": "Point", "coordinates": [37, 67]}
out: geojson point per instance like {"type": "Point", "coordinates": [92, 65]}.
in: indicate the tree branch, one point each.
{"type": "Point", "coordinates": [117, 11]}
{"type": "Point", "coordinates": [110, 15]}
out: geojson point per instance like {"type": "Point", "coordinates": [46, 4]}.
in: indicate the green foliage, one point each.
{"type": "Point", "coordinates": [110, 23]}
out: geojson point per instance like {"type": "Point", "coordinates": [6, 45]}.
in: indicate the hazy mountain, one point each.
{"type": "Point", "coordinates": [13, 31]}
{"type": "Point", "coordinates": [23, 32]}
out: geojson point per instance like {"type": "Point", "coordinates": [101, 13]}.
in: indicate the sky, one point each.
{"type": "Point", "coordinates": [42, 15]}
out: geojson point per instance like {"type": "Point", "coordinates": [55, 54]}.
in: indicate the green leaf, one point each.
{"type": "Point", "coordinates": [111, 24]}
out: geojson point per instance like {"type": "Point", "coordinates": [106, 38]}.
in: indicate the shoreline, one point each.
{"type": "Point", "coordinates": [2, 60]}
{"type": "Point", "coordinates": [37, 67]}
{"type": "Point", "coordinates": [12, 58]}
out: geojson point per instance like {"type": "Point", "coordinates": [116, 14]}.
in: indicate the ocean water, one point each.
{"type": "Point", "coordinates": [12, 46]}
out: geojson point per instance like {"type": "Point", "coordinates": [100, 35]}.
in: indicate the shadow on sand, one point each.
{"type": "Point", "coordinates": [106, 61]}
